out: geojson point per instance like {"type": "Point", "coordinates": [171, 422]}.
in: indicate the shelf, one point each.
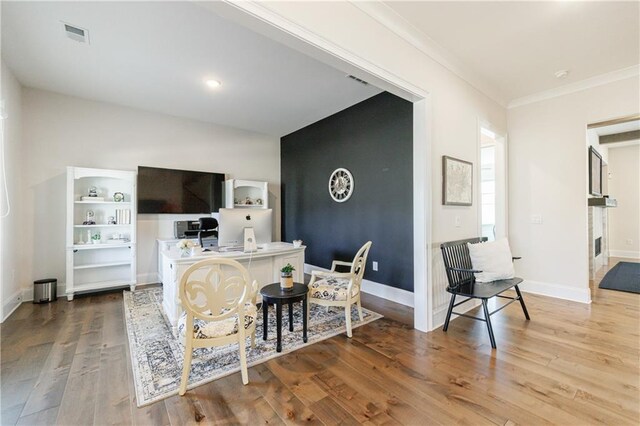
{"type": "Point", "coordinates": [252, 206]}
{"type": "Point", "coordinates": [110, 262]}
{"type": "Point", "coordinates": [98, 285]}
{"type": "Point", "coordinates": [100, 246]}
{"type": "Point", "coordinates": [102, 225]}
{"type": "Point", "coordinates": [102, 265]}
{"type": "Point", "coordinates": [122, 203]}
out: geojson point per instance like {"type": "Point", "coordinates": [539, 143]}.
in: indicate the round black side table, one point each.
{"type": "Point", "coordinates": [273, 294]}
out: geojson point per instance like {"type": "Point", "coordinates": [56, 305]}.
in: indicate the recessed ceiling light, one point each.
{"type": "Point", "coordinates": [562, 74]}
{"type": "Point", "coordinates": [213, 83]}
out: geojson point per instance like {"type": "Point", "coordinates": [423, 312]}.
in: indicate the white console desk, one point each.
{"type": "Point", "coordinates": [265, 268]}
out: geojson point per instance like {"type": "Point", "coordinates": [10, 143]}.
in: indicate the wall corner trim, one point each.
{"type": "Point", "coordinates": [559, 291]}
{"type": "Point", "coordinates": [598, 80]}
{"type": "Point", "coordinates": [398, 25]}
{"type": "Point", "coordinates": [384, 291]}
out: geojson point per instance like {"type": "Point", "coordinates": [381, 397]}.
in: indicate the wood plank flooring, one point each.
{"type": "Point", "coordinates": [573, 364]}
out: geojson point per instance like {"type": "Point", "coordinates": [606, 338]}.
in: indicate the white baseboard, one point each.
{"type": "Point", "coordinates": [384, 291]}
{"type": "Point", "coordinates": [441, 314]}
{"type": "Point", "coordinates": [582, 295]}
{"type": "Point", "coordinates": [12, 304]}
{"type": "Point", "coordinates": [625, 254]}
{"type": "Point", "coordinates": [27, 293]}
{"type": "Point", "coordinates": [148, 278]}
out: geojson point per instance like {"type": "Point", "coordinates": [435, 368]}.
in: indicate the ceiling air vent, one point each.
{"type": "Point", "coordinates": [76, 33]}
{"type": "Point", "coordinates": [359, 80]}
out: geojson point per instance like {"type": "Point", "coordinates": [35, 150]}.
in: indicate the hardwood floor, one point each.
{"type": "Point", "coordinates": [572, 364]}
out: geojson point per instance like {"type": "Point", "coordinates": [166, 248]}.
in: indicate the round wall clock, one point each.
{"type": "Point", "coordinates": [341, 185]}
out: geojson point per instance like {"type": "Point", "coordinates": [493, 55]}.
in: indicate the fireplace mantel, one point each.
{"type": "Point", "coordinates": [602, 202]}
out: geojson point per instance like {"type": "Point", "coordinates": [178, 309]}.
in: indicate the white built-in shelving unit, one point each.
{"type": "Point", "coordinates": [110, 261]}
{"type": "Point", "coordinates": [249, 194]}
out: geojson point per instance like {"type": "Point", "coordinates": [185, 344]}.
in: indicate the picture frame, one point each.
{"type": "Point", "coordinates": [457, 182]}
{"type": "Point", "coordinates": [595, 172]}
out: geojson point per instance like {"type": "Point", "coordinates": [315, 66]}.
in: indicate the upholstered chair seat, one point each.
{"type": "Point", "coordinates": [203, 329]}
{"type": "Point", "coordinates": [332, 288]}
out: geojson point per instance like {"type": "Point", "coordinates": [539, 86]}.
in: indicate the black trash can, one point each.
{"type": "Point", "coordinates": [45, 291]}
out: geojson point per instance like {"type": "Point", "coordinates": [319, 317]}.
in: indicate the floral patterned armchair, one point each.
{"type": "Point", "coordinates": [340, 288]}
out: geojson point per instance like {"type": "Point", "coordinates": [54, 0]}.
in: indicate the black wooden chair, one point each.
{"type": "Point", "coordinates": [462, 282]}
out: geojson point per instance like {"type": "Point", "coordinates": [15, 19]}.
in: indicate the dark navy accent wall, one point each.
{"type": "Point", "coordinates": [374, 141]}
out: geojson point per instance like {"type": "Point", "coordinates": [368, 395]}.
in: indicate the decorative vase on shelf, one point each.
{"type": "Point", "coordinates": [185, 252]}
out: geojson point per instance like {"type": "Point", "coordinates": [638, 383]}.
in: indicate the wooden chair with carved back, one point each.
{"type": "Point", "coordinates": [215, 294]}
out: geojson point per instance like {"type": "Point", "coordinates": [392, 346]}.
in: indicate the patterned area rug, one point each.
{"type": "Point", "coordinates": [157, 356]}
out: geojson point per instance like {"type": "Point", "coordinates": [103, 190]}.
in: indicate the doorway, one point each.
{"type": "Point", "coordinates": [493, 185]}
{"type": "Point", "coordinates": [613, 205]}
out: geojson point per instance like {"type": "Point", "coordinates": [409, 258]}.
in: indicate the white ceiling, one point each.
{"type": "Point", "coordinates": [156, 56]}
{"type": "Point", "coordinates": [518, 46]}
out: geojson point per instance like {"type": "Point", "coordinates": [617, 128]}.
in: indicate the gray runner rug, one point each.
{"type": "Point", "coordinates": [625, 276]}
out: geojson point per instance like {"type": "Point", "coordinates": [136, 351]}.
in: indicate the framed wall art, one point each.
{"type": "Point", "coordinates": [595, 172]}
{"type": "Point", "coordinates": [457, 182]}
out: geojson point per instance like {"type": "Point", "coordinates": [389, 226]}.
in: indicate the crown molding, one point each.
{"type": "Point", "coordinates": [599, 80]}
{"type": "Point", "coordinates": [394, 22]}
{"type": "Point", "coordinates": [263, 13]}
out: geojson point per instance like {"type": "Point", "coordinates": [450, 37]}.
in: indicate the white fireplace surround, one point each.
{"type": "Point", "coordinates": [598, 228]}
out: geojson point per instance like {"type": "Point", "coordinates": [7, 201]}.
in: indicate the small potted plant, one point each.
{"type": "Point", "coordinates": [286, 277]}
{"type": "Point", "coordinates": [95, 238]}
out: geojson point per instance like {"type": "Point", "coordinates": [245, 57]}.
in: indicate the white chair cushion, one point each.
{"type": "Point", "coordinates": [208, 329]}
{"type": "Point", "coordinates": [331, 288]}
{"type": "Point", "coordinates": [493, 259]}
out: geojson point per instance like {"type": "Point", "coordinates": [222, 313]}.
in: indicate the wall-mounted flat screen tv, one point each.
{"type": "Point", "coordinates": [179, 191]}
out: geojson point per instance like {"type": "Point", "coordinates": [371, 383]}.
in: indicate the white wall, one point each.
{"type": "Point", "coordinates": [624, 185]}
{"type": "Point", "coordinates": [548, 175]}
{"type": "Point", "coordinates": [12, 246]}
{"type": "Point", "coordinates": [62, 131]}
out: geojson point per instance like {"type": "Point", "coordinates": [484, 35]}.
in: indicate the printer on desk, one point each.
{"type": "Point", "coordinates": [191, 228]}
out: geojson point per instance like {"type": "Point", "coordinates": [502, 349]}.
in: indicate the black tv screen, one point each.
{"type": "Point", "coordinates": [178, 191]}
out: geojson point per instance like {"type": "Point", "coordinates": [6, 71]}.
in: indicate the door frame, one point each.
{"type": "Point", "coordinates": [501, 139]}
{"type": "Point", "coordinates": [261, 19]}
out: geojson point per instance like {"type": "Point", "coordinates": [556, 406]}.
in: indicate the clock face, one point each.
{"type": "Point", "coordinates": [341, 185]}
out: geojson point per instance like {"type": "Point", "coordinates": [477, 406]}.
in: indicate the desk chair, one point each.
{"type": "Point", "coordinates": [208, 226]}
